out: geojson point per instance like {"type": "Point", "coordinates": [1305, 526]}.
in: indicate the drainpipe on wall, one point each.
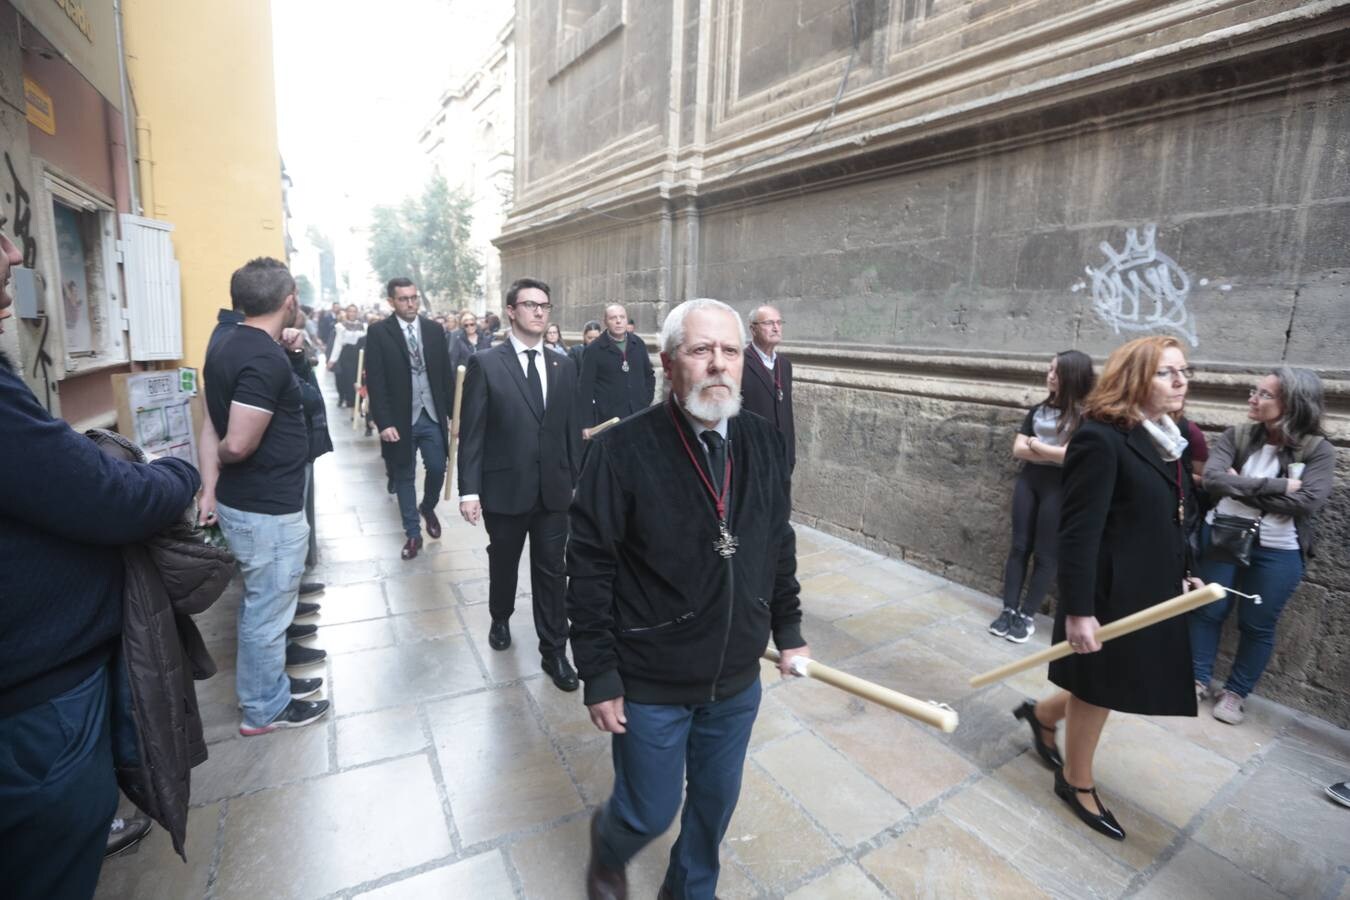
{"type": "Point", "coordinates": [137, 206]}
{"type": "Point", "coordinates": [145, 160]}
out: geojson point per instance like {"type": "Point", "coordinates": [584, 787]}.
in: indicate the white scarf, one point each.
{"type": "Point", "coordinates": [1166, 437]}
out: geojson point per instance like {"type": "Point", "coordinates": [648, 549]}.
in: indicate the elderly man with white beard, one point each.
{"type": "Point", "coordinates": [681, 564]}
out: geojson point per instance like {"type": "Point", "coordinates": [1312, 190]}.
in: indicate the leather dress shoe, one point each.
{"type": "Point", "coordinates": [296, 631]}
{"type": "Point", "coordinates": [499, 635]}
{"type": "Point", "coordinates": [310, 588]}
{"type": "Point", "coordinates": [433, 524]}
{"type": "Point", "coordinates": [1105, 823]}
{"type": "Point", "coordinates": [305, 608]}
{"type": "Point", "coordinates": [602, 882]}
{"type": "Point", "coordinates": [1046, 749]}
{"type": "Point", "coordinates": [561, 671]}
{"type": "Point", "coordinates": [411, 547]}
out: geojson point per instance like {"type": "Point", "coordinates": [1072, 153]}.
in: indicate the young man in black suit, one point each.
{"type": "Point", "coordinates": [766, 389]}
{"type": "Point", "coordinates": [519, 453]}
{"type": "Point", "coordinates": [616, 373]}
{"type": "Point", "coordinates": [408, 378]}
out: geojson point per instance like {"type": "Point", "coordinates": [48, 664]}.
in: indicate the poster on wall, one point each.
{"type": "Point", "coordinates": [70, 253]}
{"type": "Point", "coordinates": [160, 407]}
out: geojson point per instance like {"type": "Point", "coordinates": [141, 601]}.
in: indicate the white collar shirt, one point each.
{"type": "Point", "coordinates": [520, 348]}
{"type": "Point", "coordinates": [767, 358]}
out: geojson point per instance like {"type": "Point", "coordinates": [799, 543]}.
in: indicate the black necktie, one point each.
{"type": "Point", "coordinates": [717, 458]}
{"type": "Point", "coordinates": [532, 380]}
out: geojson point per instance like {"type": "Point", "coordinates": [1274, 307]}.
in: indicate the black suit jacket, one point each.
{"type": "Point", "coordinates": [759, 394]}
{"type": "Point", "coordinates": [606, 389]}
{"type": "Point", "coordinates": [389, 381]}
{"type": "Point", "coordinates": [511, 454]}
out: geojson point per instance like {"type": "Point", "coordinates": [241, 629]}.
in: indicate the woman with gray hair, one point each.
{"type": "Point", "coordinates": [1272, 476]}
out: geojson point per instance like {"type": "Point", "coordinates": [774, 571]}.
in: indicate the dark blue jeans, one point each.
{"type": "Point", "coordinates": [428, 440]}
{"type": "Point", "coordinates": [650, 762]}
{"type": "Point", "coordinates": [58, 794]}
{"type": "Point", "coordinates": [1274, 574]}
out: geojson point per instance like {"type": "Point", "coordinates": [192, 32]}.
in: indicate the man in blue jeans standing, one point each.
{"type": "Point", "coordinates": [254, 482]}
{"type": "Point", "coordinates": [66, 509]}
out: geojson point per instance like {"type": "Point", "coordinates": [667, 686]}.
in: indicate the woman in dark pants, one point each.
{"type": "Point", "coordinates": [1040, 443]}
{"type": "Point", "coordinates": [1122, 548]}
{"type": "Point", "coordinates": [343, 358]}
{"type": "Point", "coordinates": [1250, 470]}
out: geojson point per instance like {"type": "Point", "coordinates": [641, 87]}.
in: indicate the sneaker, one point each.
{"type": "Point", "coordinates": [302, 688]}
{"type": "Point", "coordinates": [298, 655]}
{"type": "Point", "coordinates": [305, 609]}
{"type": "Point", "coordinates": [126, 833]}
{"type": "Point", "coordinates": [1340, 792]}
{"type": "Point", "coordinates": [1201, 692]}
{"type": "Point", "coordinates": [308, 588]}
{"type": "Point", "coordinates": [297, 714]}
{"type": "Point", "coordinates": [1000, 625]}
{"type": "Point", "coordinates": [1228, 708]}
{"type": "Point", "coordinates": [1020, 628]}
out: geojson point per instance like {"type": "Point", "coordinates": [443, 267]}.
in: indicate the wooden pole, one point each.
{"type": "Point", "coordinates": [454, 427]}
{"type": "Point", "coordinates": [356, 407]}
{"type": "Point", "coordinates": [1131, 623]}
{"type": "Point", "coordinates": [604, 426]}
{"type": "Point", "coordinates": [943, 718]}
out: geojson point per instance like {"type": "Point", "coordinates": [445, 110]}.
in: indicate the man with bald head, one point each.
{"type": "Point", "coordinates": [616, 373]}
{"type": "Point", "coordinates": [766, 389]}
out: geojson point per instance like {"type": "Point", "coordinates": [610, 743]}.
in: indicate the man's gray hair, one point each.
{"type": "Point", "coordinates": [672, 329]}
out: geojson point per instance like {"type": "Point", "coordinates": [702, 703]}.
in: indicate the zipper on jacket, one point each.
{"type": "Point", "coordinates": [726, 635]}
{"type": "Point", "coordinates": [675, 621]}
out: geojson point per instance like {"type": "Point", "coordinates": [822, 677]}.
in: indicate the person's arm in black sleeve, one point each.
{"type": "Point", "coordinates": [377, 387]}
{"type": "Point", "coordinates": [573, 439]}
{"type": "Point", "coordinates": [61, 482]}
{"type": "Point", "coordinates": [648, 373]}
{"type": "Point", "coordinates": [1089, 482]}
{"type": "Point", "coordinates": [473, 424]}
{"type": "Point", "coordinates": [786, 611]}
{"type": "Point", "coordinates": [597, 524]}
{"type": "Point", "coordinates": [586, 387]}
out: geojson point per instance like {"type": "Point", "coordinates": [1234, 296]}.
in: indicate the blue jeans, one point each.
{"type": "Point", "coordinates": [650, 760]}
{"type": "Point", "coordinates": [428, 439]}
{"type": "Point", "coordinates": [1274, 574]}
{"type": "Point", "coordinates": [58, 793]}
{"type": "Point", "coordinates": [271, 554]}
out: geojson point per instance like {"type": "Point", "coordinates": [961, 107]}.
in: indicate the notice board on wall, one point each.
{"type": "Point", "coordinates": [161, 411]}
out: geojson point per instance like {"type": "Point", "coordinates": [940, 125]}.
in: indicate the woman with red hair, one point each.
{"type": "Point", "coordinates": [1122, 548]}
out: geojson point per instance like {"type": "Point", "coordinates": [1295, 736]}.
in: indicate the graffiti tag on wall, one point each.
{"type": "Point", "coordinates": [17, 194]}
{"type": "Point", "coordinates": [1140, 288]}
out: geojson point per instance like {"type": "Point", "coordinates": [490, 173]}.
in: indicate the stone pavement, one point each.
{"type": "Point", "coordinates": [450, 770]}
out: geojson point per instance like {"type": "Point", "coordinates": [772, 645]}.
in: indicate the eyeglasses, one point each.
{"type": "Point", "coordinates": [771, 323]}
{"type": "Point", "coordinates": [533, 306]}
{"type": "Point", "coordinates": [1172, 373]}
{"type": "Point", "coordinates": [1261, 393]}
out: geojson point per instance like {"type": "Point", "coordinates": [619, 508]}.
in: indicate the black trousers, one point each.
{"type": "Point", "coordinates": [547, 532]}
{"type": "Point", "coordinates": [1035, 519]}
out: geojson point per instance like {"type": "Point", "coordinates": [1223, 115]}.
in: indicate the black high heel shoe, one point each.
{"type": "Point", "coordinates": [1103, 824]}
{"type": "Point", "coordinates": [1047, 750]}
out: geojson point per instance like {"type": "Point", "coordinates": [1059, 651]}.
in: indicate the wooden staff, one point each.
{"type": "Point", "coordinates": [604, 426]}
{"type": "Point", "coordinates": [454, 426]}
{"type": "Point", "coordinates": [943, 718]}
{"type": "Point", "coordinates": [356, 407]}
{"type": "Point", "coordinates": [1131, 623]}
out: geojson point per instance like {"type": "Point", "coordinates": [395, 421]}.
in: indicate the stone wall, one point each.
{"type": "Point", "coordinates": [995, 182]}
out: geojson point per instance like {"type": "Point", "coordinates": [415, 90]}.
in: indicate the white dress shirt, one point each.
{"type": "Point", "coordinates": [520, 347]}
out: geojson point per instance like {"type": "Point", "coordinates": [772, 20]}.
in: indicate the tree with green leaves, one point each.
{"type": "Point", "coordinates": [304, 290]}
{"type": "Point", "coordinates": [427, 239]}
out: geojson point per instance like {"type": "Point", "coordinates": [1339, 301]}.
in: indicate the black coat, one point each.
{"type": "Point", "coordinates": [657, 614]}
{"type": "Point", "coordinates": [759, 394]}
{"type": "Point", "coordinates": [1121, 550]}
{"type": "Point", "coordinates": [461, 349]}
{"type": "Point", "coordinates": [389, 381]}
{"type": "Point", "coordinates": [606, 389]}
{"type": "Point", "coordinates": [511, 454]}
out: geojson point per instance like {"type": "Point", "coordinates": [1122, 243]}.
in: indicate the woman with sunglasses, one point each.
{"type": "Point", "coordinates": [1275, 472]}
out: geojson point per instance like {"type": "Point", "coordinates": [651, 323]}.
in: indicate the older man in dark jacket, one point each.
{"type": "Point", "coordinates": [66, 511]}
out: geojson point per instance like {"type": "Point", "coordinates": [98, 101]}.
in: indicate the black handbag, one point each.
{"type": "Point", "coordinates": [1233, 538]}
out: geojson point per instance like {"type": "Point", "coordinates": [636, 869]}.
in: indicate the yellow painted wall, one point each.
{"type": "Point", "coordinates": [203, 84]}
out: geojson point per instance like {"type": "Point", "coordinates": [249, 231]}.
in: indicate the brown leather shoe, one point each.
{"type": "Point", "coordinates": [433, 524]}
{"type": "Point", "coordinates": [603, 883]}
{"type": "Point", "coordinates": [411, 547]}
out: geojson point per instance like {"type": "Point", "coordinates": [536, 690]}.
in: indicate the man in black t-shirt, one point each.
{"type": "Point", "coordinates": [253, 472]}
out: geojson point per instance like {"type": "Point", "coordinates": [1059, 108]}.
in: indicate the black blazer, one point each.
{"type": "Point", "coordinates": [606, 389]}
{"type": "Point", "coordinates": [759, 394]}
{"type": "Point", "coordinates": [511, 454]}
{"type": "Point", "coordinates": [389, 381]}
{"type": "Point", "coordinates": [1121, 550]}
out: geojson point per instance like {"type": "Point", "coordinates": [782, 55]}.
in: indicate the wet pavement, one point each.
{"type": "Point", "coordinates": [449, 770]}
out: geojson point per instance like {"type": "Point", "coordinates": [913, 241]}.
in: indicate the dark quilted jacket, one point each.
{"type": "Point", "coordinates": [157, 732]}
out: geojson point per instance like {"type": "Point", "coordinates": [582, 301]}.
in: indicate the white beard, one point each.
{"type": "Point", "coordinates": [712, 410]}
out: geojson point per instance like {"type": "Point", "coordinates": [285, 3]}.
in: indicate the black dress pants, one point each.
{"type": "Point", "coordinates": [547, 532]}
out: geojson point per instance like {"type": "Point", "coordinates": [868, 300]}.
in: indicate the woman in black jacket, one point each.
{"type": "Point", "coordinates": [466, 341]}
{"type": "Point", "coordinates": [1122, 547]}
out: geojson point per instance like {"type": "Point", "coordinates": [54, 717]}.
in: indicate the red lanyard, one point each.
{"type": "Point", "coordinates": [719, 501]}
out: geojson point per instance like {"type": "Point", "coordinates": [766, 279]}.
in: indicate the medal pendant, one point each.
{"type": "Point", "coordinates": [625, 365]}
{"type": "Point", "coordinates": [780, 395]}
{"type": "Point", "coordinates": [726, 543]}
